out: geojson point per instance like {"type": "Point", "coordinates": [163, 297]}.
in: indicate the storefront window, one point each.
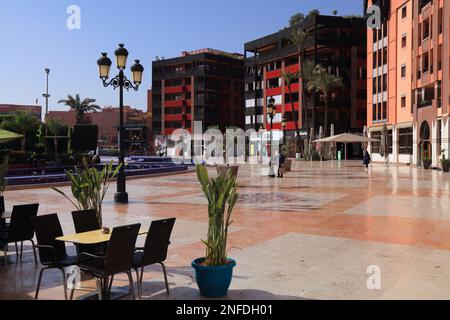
{"type": "Point", "coordinates": [405, 141]}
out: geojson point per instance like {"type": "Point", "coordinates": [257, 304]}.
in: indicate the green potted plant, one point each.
{"type": "Point", "coordinates": [445, 162]}
{"type": "Point", "coordinates": [214, 272]}
{"type": "Point", "coordinates": [89, 187]}
{"type": "Point", "coordinates": [427, 161]}
{"type": "Point", "coordinates": [3, 170]}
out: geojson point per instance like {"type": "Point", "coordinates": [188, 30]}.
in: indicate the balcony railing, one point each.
{"type": "Point", "coordinates": [424, 103]}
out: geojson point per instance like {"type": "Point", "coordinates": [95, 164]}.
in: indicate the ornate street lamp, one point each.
{"type": "Point", "coordinates": [271, 111]}
{"type": "Point", "coordinates": [120, 81]}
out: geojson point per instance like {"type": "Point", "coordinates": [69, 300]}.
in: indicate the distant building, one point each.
{"type": "Point", "coordinates": [138, 138]}
{"type": "Point", "coordinates": [205, 85]}
{"type": "Point", "coordinates": [336, 43]}
{"type": "Point", "coordinates": [409, 80]}
{"type": "Point", "coordinates": [8, 109]}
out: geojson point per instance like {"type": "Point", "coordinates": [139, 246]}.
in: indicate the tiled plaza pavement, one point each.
{"type": "Point", "coordinates": [311, 235]}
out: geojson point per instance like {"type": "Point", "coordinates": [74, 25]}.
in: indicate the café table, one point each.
{"type": "Point", "coordinates": [92, 238]}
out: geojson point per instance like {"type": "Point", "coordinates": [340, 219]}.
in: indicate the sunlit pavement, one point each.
{"type": "Point", "coordinates": [313, 235]}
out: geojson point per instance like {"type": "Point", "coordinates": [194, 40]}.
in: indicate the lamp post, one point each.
{"type": "Point", "coordinates": [46, 95]}
{"type": "Point", "coordinates": [120, 81]}
{"type": "Point", "coordinates": [284, 124]}
{"type": "Point", "coordinates": [271, 110]}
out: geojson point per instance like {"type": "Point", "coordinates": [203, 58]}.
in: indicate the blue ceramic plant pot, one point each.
{"type": "Point", "coordinates": [213, 282]}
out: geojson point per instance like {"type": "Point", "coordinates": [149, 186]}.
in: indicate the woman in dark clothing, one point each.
{"type": "Point", "coordinates": [281, 164]}
{"type": "Point", "coordinates": [367, 159]}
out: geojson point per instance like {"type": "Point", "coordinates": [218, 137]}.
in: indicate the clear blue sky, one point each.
{"type": "Point", "coordinates": [33, 36]}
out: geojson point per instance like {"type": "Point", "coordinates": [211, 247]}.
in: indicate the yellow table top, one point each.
{"type": "Point", "coordinates": [92, 237]}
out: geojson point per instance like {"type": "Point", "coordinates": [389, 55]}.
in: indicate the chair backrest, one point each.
{"type": "Point", "coordinates": [47, 229]}
{"type": "Point", "coordinates": [157, 242]}
{"type": "Point", "coordinates": [120, 250]}
{"type": "Point", "coordinates": [21, 227]}
{"type": "Point", "coordinates": [85, 221]}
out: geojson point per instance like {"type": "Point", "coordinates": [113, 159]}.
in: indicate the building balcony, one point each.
{"type": "Point", "coordinates": [425, 103]}
{"type": "Point", "coordinates": [273, 74]}
{"type": "Point", "coordinates": [292, 69]}
{"type": "Point", "coordinates": [273, 91]}
{"type": "Point", "coordinates": [177, 117]}
{"type": "Point", "coordinates": [288, 106]}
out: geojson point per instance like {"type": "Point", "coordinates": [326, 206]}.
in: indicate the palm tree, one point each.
{"type": "Point", "coordinates": [325, 82]}
{"type": "Point", "coordinates": [298, 37]}
{"type": "Point", "coordinates": [289, 78]}
{"type": "Point", "coordinates": [81, 107]}
{"type": "Point", "coordinates": [308, 70]}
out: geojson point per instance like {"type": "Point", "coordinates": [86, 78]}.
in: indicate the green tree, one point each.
{"type": "Point", "coordinates": [308, 70]}
{"type": "Point", "coordinates": [325, 82]}
{"type": "Point", "coordinates": [296, 19]}
{"type": "Point", "coordinates": [289, 78]}
{"type": "Point", "coordinates": [335, 12]}
{"type": "Point", "coordinates": [312, 13]}
{"type": "Point", "coordinates": [56, 129]}
{"type": "Point", "coordinates": [81, 107]}
{"type": "Point", "coordinates": [23, 123]}
{"type": "Point", "coordinates": [298, 37]}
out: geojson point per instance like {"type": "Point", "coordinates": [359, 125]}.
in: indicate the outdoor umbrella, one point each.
{"type": "Point", "coordinates": [346, 138]}
{"type": "Point", "coordinates": [7, 136]}
{"type": "Point", "coordinates": [384, 151]}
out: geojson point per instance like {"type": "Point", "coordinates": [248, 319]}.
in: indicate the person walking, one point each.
{"type": "Point", "coordinates": [282, 162]}
{"type": "Point", "coordinates": [367, 160]}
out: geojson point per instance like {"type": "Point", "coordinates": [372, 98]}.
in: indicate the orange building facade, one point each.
{"type": "Point", "coordinates": [408, 85]}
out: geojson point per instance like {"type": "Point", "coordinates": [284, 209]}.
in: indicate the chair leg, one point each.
{"type": "Point", "coordinates": [130, 279]}
{"type": "Point", "coordinates": [138, 284]}
{"type": "Point", "coordinates": [21, 250]}
{"type": "Point", "coordinates": [64, 282]}
{"type": "Point", "coordinates": [6, 256]}
{"type": "Point", "coordinates": [73, 288]}
{"type": "Point", "coordinates": [34, 252]}
{"type": "Point", "coordinates": [99, 288]}
{"type": "Point", "coordinates": [17, 251]}
{"type": "Point", "coordinates": [109, 288]}
{"type": "Point", "coordinates": [142, 276]}
{"type": "Point", "coordinates": [165, 277]}
{"type": "Point", "coordinates": [39, 283]}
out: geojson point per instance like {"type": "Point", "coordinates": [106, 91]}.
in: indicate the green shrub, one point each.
{"type": "Point", "coordinates": [89, 187]}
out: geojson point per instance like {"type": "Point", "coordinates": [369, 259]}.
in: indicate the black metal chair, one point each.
{"type": "Point", "coordinates": [52, 253]}
{"type": "Point", "coordinates": [118, 259]}
{"type": "Point", "coordinates": [20, 229]}
{"type": "Point", "coordinates": [85, 221]}
{"type": "Point", "coordinates": [155, 250]}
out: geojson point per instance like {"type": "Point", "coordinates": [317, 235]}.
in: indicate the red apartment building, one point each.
{"type": "Point", "coordinates": [205, 85]}
{"type": "Point", "coordinates": [336, 43]}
